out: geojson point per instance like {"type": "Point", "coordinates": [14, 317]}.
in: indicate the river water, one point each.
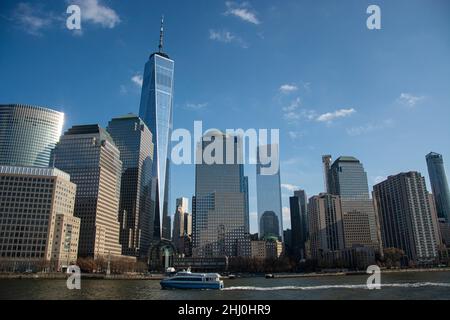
{"type": "Point", "coordinates": [408, 285]}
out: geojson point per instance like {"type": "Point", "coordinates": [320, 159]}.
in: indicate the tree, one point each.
{"type": "Point", "coordinates": [393, 257]}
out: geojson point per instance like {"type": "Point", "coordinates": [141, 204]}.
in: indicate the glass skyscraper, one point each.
{"type": "Point", "coordinates": [439, 184]}
{"type": "Point", "coordinates": [28, 134]}
{"type": "Point", "coordinates": [299, 223]}
{"type": "Point", "coordinates": [348, 180]}
{"type": "Point", "coordinates": [136, 210]}
{"type": "Point", "coordinates": [219, 206]}
{"type": "Point", "coordinates": [270, 216]}
{"type": "Point", "coordinates": [156, 110]}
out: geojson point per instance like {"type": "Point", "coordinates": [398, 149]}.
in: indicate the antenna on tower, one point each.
{"type": "Point", "coordinates": [161, 35]}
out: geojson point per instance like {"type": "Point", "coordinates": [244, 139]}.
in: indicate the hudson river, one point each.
{"type": "Point", "coordinates": [407, 285]}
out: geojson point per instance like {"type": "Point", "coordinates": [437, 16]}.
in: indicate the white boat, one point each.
{"type": "Point", "coordinates": [189, 280]}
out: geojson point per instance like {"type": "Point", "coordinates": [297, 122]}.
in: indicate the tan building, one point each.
{"type": "Point", "coordinates": [37, 226]}
{"type": "Point", "coordinates": [266, 249]}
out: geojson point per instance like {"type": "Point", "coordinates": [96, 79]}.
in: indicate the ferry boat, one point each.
{"type": "Point", "coordinates": [189, 280]}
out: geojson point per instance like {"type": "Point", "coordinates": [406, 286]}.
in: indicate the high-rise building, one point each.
{"type": "Point", "coordinates": [268, 187]}
{"type": "Point", "coordinates": [348, 180]}
{"type": "Point", "coordinates": [219, 217]}
{"type": "Point", "coordinates": [299, 223]}
{"type": "Point", "coordinates": [405, 216]}
{"type": "Point", "coordinates": [136, 210]}
{"type": "Point", "coordinates": [439, 184]}
{"type": "Point", "coordinates": [435, 219]}
{"type": "Point", "coordinates": [89, 155]}
{"type": "Point", "coordinates": [156, 110]}
{"type": "Point", "coordinates": [36, 219]}
{"type": "Point", "coordinates": [325, 225]}
{"type": "Point", "coordinates": [182, 225]}
{"type": "Point", "coordinates": [28, 134]}
{"type": "Point", "coordinates": [326, 161]}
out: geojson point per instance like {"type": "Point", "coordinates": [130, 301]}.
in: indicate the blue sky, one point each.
{"type": "Point", "coordinates": [310, 68]}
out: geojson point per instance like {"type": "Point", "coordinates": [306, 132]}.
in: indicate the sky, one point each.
{"type": "Point", "coordinates": [311, 69]}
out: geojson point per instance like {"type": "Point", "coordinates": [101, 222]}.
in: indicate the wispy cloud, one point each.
{"type": "Point", "coordinates": [370, 127]}
{"type": "Point", "coordinates": [409, 99]}
{"type": "Point", "coordinates": [331, 116]}
{"type": "Point", "coordinates": [379, 179]}
{"type": "Point", "coordinates": [293, 106]}
{"type": "Point", "coordinates": [225, 36]}
{"type": "Point", "coordinates": [290, 187]}
{"type": "Point", "coordinates": [288, 88]}
{"type": "Point", "coordinates": [196, 106]}
{"type": "Point", "coordinates": [32, 18]}
{"type": "Point", "coordinates": [242, 11]}
{"type": "Point", "coordinates": [137, 80]}
{"type": "Point", "coordinates": [94, 11]}
{"type": "Point", "coordinates": [294, 135]}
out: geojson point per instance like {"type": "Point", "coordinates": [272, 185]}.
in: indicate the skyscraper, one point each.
{"type": "Point", "coordinates": [28, 134]}
{"type": "Point", "coordinates": [270, 215]}
{"type": "Point", "coordinates": [182, 224]}
{"type": "Point", "coordinates": [325, 224]}
{"type": "Point", "coordinates": [299, 223]}
{"type": "Point", "coordinates": [439, 184]}
{"type": "Point", "coordinates": [219, 217]}
{"type": "Point", "coordinates": [348, 180]}
{"type": "Point", "coordinates": [136, 210]}
{"type": "Point", "coordinates": [89, 155]}
{"type": "Point", "coordinates": [156, 110]}
{"type": "Point", "coordinates": [405, 216]}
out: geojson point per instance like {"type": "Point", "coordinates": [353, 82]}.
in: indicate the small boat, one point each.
{"type": "Point", "coordinates": [270, 276]}
{"type": "Point", "coordinates": [189, 280]}
{"type": "Point", "coordinates": [231, 276]}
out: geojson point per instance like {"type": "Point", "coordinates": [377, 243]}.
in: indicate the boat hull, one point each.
{"type": "Point", "coordinates": [191, 285]}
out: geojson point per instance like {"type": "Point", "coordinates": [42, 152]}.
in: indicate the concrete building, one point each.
{"type": "Point", "coordinates": [89, 155]}
{"type": "Point", "coordinates": [28, 134]}
{"type": "Point", "coordinates": [182, 227]}
{"type": "Point", "coordinates": [37, 227]}
{"type": "Point", "coordinates": [326, 232]}
{"type": "Point", "coordinates": [267, 249]}
{"type": "Point", "coordinates": [406, 218]}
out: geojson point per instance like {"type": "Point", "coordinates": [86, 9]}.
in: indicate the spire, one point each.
{"type": "Point", "coordinates": [161, 35]}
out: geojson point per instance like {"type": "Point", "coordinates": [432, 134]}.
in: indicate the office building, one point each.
{"type": "Point", "coordinates": [136, 209]}
{"type": "Point", "coordinates": [156, 110]}
{"type": "Point", "coordinates": [348, 180]}
{"type": "Point", "coordinates": [219, 209]}
{"type": "Point", "coordinates": [325, 225]}
{"type": "Point", "coordinates": [37, 228]}
{"type": "Point", "coordinates": [405, 216]}
{"type": "Point", "coordinates": [268, 187]}
{"type": "Point", "coordinates": [89, 155]}
{"type": "Point", "coordinates": [299, 223]}
{"type": "Point", "coordinates": [28, 134]}
{"type": "Point", "coordinates": [439, 184]}
{"type": "Point", "coordinates": [182, 227]}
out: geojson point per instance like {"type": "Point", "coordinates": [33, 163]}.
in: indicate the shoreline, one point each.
{"type": "Point", "coordinates": [158, 277]}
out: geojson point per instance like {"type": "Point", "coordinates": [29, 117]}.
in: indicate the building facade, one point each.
{"type": "Point", "coordinates": [89, 155]}
{"type": "Point", "coordinates": [136, 209]}
{"type": "Point", "coordinates": [348, 180]}
{"type": "Point", "coordinates": [268, 187]}
{"type": "Point", "coordinates": [182, 227]}
{"type": "Point", "coordinates": [326, 231]}
{"type": "Point", "coordinates": [156, 109]}
{"type": "Point", "coordinates": [405, 216]}
{"type": "Point", "coordinates": [37, 227]}
{"type": "Point", "coordinates": [299, 223]}
{"type": "Point", "coordinates": [439, 184]}
{"type": "Point", "coordinates": [219, 208]}
{"type": "Point", "coordinates": [28, 134]}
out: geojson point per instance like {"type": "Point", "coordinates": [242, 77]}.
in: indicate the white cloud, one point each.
{"type": "Point", "coordinates": [370, 127]}
{"type": "Point", "coordinates": [290, 187]}
{"type": "Point", "coordinates": [288, 88]}
{"type": "Point", "coordinates": [409, 99]}
{"type": "Point", "coordinates": [379, 179]}
{"type": "Point", "coordinates": [241, 11]}
{"type": "Point", "coordinates": [196, 106]}
{"type": "Point", "coordinates": [330, 116]}
{"type": "Point", "coordinates": [138, 80]}
{"type": "Point", "coordinates": [225, 36]}
{"type": "Point", "coordinates": [294, 105]}
{"type": "Point", "coordinates": [31, 18]}
{"type": "Point", "coordinates": [95, 12]}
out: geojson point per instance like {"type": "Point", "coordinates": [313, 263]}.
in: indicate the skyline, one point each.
{"type": "Point", "coordinates": [302, 96]}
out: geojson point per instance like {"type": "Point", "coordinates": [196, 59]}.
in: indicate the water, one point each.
{"type": "Point", "coordinates": [418, 285]}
